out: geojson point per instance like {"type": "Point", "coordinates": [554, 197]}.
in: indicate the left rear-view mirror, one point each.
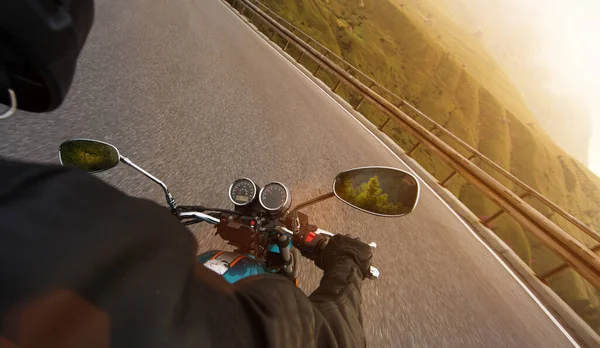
{"type": "Point", "coordinates": [90, 155]}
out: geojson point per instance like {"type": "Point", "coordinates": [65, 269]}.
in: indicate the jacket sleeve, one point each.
{"type": "Point", "coordinates": [287, 318]}
{"type": "Point", "coordinates": [339, 300]}
{"type": "Point", "coordinates": [82, 264]}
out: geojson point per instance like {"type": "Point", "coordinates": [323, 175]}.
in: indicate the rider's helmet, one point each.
{"type": "Point", "coordinates": [40, 41]}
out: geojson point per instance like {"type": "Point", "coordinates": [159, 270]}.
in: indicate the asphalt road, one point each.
{"type": "Point", "coordinates": [189, 92]}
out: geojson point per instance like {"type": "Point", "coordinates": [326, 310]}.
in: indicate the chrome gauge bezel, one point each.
{"type": "Point", "coordinates": [283, 206]}
{"type": "Point", "coordinates": [249, 201]}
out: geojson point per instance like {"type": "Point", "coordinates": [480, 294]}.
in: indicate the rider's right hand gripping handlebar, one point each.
{"type": "Point", "coordinates": [312, 241]}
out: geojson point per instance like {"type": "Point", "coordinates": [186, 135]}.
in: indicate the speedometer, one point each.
{"type": "Point", "coordinates": [242, 192]}
{"type": "Point", "coordinates": [274, 197]}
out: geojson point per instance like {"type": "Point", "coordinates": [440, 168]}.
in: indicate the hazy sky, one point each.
{"type": "Point", "coordinates": [571, 46]}
{"type": "Point", "coordinates": [563, 36]}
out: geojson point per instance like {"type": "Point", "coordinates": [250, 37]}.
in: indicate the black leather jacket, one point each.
{"type": "Point", "coordinates": [84, 265]}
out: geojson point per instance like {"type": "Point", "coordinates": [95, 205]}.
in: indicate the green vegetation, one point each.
{"type": "Point", "coordinates": [397, 197]}
{"type": "Point", "coordinates": [368, 196]}
{"type": "Point", "coordinates": [88, 155]}
{"type": "Point", "coordinates": [415, 50]}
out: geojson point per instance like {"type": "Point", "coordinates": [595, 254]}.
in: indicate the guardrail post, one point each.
{"type": "Point", "coordinates": [337, 85]}
{"type": "Point", "coordinates": [410, 152]}
{"type": "Point", "coordinates": [362, 98]}
{"type": "Point", "coordinates": [493, 217]}
{"type": "Point", "coordinates": [261, 26]}
{"type": "Point", "coordinates": [287, 43]}
{"type": "Point", "coordinates": [300, 57]}
{"type": "Point", "coordinates": [553, 272]}
{"type": "Point", "coordinates": [242, 10]}
{"type": "Point", "coordinates": [318, 69]}
{"type": "Point", "coordinates": [562, 267]}
{"type": "Point", "coordinates": [384, 124]}
{"type": "Point", "coordinates": [359, 103]}
{"type": "Point", "coordinates": [445, 181]}
{"type": "Point", "coordinates": [319, 65]}
{"type": "Point", "coordinates": [272, 34]}
{"type": "Point", "coordinates": [501, 211]}
{"type": "Point", "coordinates": [453, 174]}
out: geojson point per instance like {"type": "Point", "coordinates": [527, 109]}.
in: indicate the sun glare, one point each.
{"type": "Point", "coordinates": [569, 32]}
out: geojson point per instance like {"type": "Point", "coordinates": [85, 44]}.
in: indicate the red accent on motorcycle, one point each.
{"type": "Point", "coordinates": [310, 236]}
{"type": "Point", "coordinates": [237, 259]}
{"type": "Point", "coordinates": [252, 223]}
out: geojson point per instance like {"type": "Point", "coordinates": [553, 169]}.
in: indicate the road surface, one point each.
{"type": "Point", "coordinates": [189, 92]}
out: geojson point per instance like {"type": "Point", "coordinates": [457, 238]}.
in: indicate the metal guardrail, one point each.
{"type": "Point", "coordinates": [577, 255]}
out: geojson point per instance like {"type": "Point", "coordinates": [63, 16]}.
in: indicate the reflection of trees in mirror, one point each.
{"type": "Point", "coordinates": [88, 155]}
{"type": "Point", "coordinates": [371, 197]}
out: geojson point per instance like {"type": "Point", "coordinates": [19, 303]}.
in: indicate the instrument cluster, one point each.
{"type": "Point", "coordinates": [274, 197]}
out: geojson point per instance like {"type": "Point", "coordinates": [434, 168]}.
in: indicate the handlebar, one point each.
{"type": "Point", "coordinates": [373, 271]}
{"type": "Point", "coordinates": [198, 215]}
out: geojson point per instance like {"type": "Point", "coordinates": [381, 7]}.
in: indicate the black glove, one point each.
{"type": "Point", "coordinates": [327, 251]}
{"type": "Point", "coordinates": [309, 243]}
{"type": "Point", "coordinates": [344, 248]}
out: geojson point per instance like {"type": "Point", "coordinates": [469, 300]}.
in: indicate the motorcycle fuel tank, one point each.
{"type": "Point", "coordinates": [232, 266]}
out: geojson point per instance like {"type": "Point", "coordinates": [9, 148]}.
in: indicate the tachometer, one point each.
{"type": "Point", "coordinates": [242, 192]}
{"type": "Point", "coordinates": [274, 197]}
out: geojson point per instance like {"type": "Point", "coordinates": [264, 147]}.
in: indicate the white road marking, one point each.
{"type": "Point", "coordinates": [498, 258]}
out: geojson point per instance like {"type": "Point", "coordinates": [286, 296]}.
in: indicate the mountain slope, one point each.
{"type": "Point", "coordinates": [513, 31]}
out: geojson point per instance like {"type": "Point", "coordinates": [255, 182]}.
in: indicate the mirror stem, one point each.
{"type": "Point", "coordinates": [168, 195]}
{"type": "Point", "coordinates": [294, 211]}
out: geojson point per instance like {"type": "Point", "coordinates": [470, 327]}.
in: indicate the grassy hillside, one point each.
{"type": "Point", "coordinates": [415, 50]}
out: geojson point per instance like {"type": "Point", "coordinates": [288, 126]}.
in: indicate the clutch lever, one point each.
{"type": "Point", "coordinates": [200, 216]}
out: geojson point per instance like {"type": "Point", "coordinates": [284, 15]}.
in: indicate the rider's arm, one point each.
{"type": "Point", "coordinates": [345, 262]}
{"type": "Point", "coordinates": [82, 263]}
{"type": "Point", "coordinates": [285, 317]}
{"type": "Point", "coordinates": [339, 299]}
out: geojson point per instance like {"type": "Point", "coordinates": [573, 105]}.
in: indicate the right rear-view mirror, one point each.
{"type": "Point", "coordinates": [381, 191]}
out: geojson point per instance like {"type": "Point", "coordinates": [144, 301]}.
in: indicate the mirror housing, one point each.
{"type": "Point", "coordinates": [90, 155]}
{"type": "Point", "coordinates": [96, 156]}
{"type": "Point", "coordinates": [381, 191]}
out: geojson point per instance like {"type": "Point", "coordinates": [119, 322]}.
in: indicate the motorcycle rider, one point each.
{"type": "Point", "coordinates": [84, 265]}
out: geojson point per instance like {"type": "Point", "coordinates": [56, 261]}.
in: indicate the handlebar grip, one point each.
{"type": "Point", "coordinates": [310, 244]}
{"type": "Point", "coordinates": [373, 271]}
{"type": "Point", "coordinates": [327, 233]}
